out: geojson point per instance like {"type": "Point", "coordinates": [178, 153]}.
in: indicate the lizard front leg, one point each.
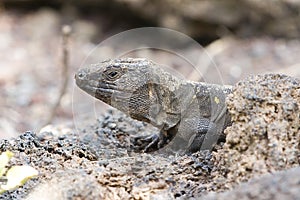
{"type": "Point", "coordinates": [154, 141]}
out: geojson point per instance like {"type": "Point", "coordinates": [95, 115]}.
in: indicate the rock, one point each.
{"type": "Point", "coordinates": [264, 136]}
{"type": "Point", "coordinates": [277, 186]}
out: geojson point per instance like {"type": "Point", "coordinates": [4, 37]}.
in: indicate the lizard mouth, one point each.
{"type": "Point", "coordinates": [107, 92]}
{"type": "Point", "coordinates": [103, 91]}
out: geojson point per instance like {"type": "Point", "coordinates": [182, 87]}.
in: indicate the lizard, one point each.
{"type": "Point", "coordinates": [190, 115]}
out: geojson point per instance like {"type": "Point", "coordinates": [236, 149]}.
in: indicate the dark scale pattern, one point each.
{"type": "Point", "coordinates": [139, 104]}
{"type": "Point", "coordinates": [203, 126]}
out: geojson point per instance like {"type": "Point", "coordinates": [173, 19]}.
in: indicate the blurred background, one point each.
{"type": "Point", "coordinates": [242, 36]}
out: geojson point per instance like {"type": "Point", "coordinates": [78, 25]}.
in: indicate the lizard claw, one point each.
{"type": "Point", "coordinates": [147, 143]}
{"type": "Point", "coordinates": [154, 141]}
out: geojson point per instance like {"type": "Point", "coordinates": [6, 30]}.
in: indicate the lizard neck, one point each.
{"type": "Point", "coordinates": [173, 95]}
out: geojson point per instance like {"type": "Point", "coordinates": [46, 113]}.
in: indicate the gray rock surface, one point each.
{"type": "Point", "coordinates": [277, 186]}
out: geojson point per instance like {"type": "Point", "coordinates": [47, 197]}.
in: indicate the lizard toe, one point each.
{"type": "Point", "coordinates": [146, 143]}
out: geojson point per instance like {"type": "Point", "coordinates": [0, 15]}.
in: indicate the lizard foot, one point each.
{"type": "Point", "coordinates": [147, 143]}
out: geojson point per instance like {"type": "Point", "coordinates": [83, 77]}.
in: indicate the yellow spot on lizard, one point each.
{"type": "Point", "coordinates": [217, 100]}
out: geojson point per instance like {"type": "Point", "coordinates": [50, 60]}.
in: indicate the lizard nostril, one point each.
{"type": "Point", "coordinates": [80, 75]}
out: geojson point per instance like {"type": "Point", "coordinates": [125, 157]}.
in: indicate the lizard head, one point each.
{"type": "Point", "coordinates": [129, 84]}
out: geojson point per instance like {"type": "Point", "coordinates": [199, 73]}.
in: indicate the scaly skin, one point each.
{"type": "Point", "coordinates": [190, 115]}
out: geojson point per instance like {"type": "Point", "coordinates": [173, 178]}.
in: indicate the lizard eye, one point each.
{"type": "Point", "coordinates": [112, 75]}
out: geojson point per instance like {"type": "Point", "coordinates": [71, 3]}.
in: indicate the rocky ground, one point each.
{"type": "Point", "coordinates": [99, 162]}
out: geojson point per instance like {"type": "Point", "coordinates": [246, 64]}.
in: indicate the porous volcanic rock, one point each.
{"type": "Point", "coordinates": [264, 136]}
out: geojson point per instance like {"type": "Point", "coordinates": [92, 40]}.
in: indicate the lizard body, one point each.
{"type": "Point", "coordinates": [190, 115]}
